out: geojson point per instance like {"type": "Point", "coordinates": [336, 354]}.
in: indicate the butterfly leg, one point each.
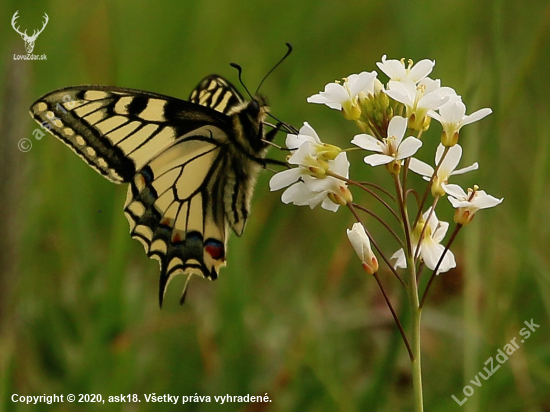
{"type": "Point", "coordinates": [281, 126]}
{"type": "Point", "coordinates": [276, 162]}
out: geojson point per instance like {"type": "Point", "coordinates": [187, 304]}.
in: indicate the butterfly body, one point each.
{"type": "Point", "coordinates": [191, 165]}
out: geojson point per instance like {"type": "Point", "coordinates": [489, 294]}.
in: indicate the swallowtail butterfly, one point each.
{"type": "Point", "coordinates": [190, 165]}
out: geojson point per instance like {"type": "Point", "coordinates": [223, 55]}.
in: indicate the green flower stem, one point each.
{"type": "Point", "coordinates": [404, 215]}
{"type": "Point", "coordinates": [414, 307]}
{"type": "Point", "coordinates": [415, 311]}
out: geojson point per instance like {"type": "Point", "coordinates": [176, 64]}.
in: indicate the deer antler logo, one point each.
{"type": "Point", "coordinates": [29, 40]}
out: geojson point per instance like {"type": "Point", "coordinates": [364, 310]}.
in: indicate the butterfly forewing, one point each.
{"type": "Point", "coordinates": [188, 178]}
{"type": "Point", "coordinates": [116, 131]}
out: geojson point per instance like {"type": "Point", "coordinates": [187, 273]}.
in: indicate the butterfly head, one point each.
{"type": "Point", "coordinates": [257, 108]}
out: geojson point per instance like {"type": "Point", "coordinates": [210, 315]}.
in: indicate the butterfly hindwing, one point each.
{"type": "Point", "coordinates": [191, 165]}
{"type": "Point", "coordinates": [216, 93]}
{"type": "Point", "coordinates": [173, 211]}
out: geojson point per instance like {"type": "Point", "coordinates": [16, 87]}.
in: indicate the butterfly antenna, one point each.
{"type": "Point", "coordinates": [240, 69]}
{"type": "Point", "coordinates": [277, 65]}
{"type": "Point", "coordinates": [287, 127]}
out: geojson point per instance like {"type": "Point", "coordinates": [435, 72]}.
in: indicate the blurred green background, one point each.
{"type": "Point", "coordinates": [293, 315]}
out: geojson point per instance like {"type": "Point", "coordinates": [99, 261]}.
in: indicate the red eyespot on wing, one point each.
{"type": "Point", "coordinates": [215, 249]}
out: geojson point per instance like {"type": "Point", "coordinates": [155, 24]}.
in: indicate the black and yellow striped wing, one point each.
{"type": "Point", "coordinates": [189, 164]}
{"type": "Point", "coordinates": [217, 93]}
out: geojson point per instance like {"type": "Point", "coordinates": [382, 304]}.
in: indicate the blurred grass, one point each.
{"type": "Point", "coordinates": [292, 314]}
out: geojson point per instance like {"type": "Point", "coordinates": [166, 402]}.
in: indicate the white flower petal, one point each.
{"type": "Point", "coordinates": [292, 193]}
{"type": "Point", "coordinates": [301, 195]}
{"type": "Point", "coordinates": [455, 190]}
{"type": "Point", "coordinates": [450, 162]}
{"type": "Point", "coordinates": [405, 86]}
{"type": "Point", "coordinates": [329, 205]}
{"type": "Point", "coordinates": [397, 128]}
{"type": "Point", "coordinates": [408, 147]}
{"type": "Point", "coordinates": [448, 263]}
{"type": "Point", "coordinates": [340, 165]}
{"type": "Point", "coordinates": [458, 203]}
{"type": "Point", "coordinates": [368, 142]}
{"type": "Point", "coordinates": [403, 91]}
{"type": "Point", "coordinates": [394, 69]}
{"type": "Point", "coordinates": [316, 98]}
{"type": "Point", "coordinates": [378, 159]}
{"type": "Point", "coordinates": [431, 253]}
{"type": "Point", "coordinates": [478, 115]}
{"type": "Point", "coordinates": [401, 261]}
{"type": "Point", "coordinates": [319, 185]}
{"type": "Point", "coordinates": [336, 92]}
{"type": "Point", "coordinates": [306, 134]}
{"type": "Point", "coordinates": [399, 96]}
{"type": "Point", "coordinates": [483, 200]}
{"type": "Point", "coordinates": [302, 154]}
{"type": "Point", "coordinates": [309, 133]}
{"type": "Point", "coordinates": [320, 99]}
{"type": "Point", "coordinates": [293, 141]}
{"type": "Point", "coordinates": [441, 230]}
{"type": "Point", "coordinates": [448, 92]}
{"type": "Point", "coordinates": [433, 221]}
{"type": "Point", "coordinates": [432, 101]}
{"type": "Point", "coordinates": [435, 115]}
{"type": "Point", "coordinates": [330, 104]}
{"type": "Point", "coordinates": [333, 96]}
{"type": "Point", "coordinates": [362, 82]}
{"type": "Point", "coordinates": [453, 111]}
{"type": "Point", "coordinates": [474, 166]}
{"type": "Point", "coordinates": [421, 69]}
{"type": "Point", "coordinates": [421, 168]}
{"type": "Point", "coordinates": [439, 153]}
{"type": "Point", "coordinates": [285, 178]}
{"type": "Point", "coordinates": [312, 202]}
{"type": "Point", "coordinates": [430, 85]}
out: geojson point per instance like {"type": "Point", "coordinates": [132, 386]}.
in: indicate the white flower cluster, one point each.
{"type": "Point", "coordinates": [388, 115]}
{"type": "Point", "coordinates": [311, 182]}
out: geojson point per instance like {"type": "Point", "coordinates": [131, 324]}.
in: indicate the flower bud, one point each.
{"type": "Point", "coordinates": [351, 110]}
{"type": "Point", "coordinates": [327, 151]}
{"type": "Point", "coordinates": [342, 197]}
{"type": "Point", "coordinates": [317, 171]}
{"type": "Point", "coordinates": [378, 87]}
{"type": "Point", "coordinates": [361, 244]}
